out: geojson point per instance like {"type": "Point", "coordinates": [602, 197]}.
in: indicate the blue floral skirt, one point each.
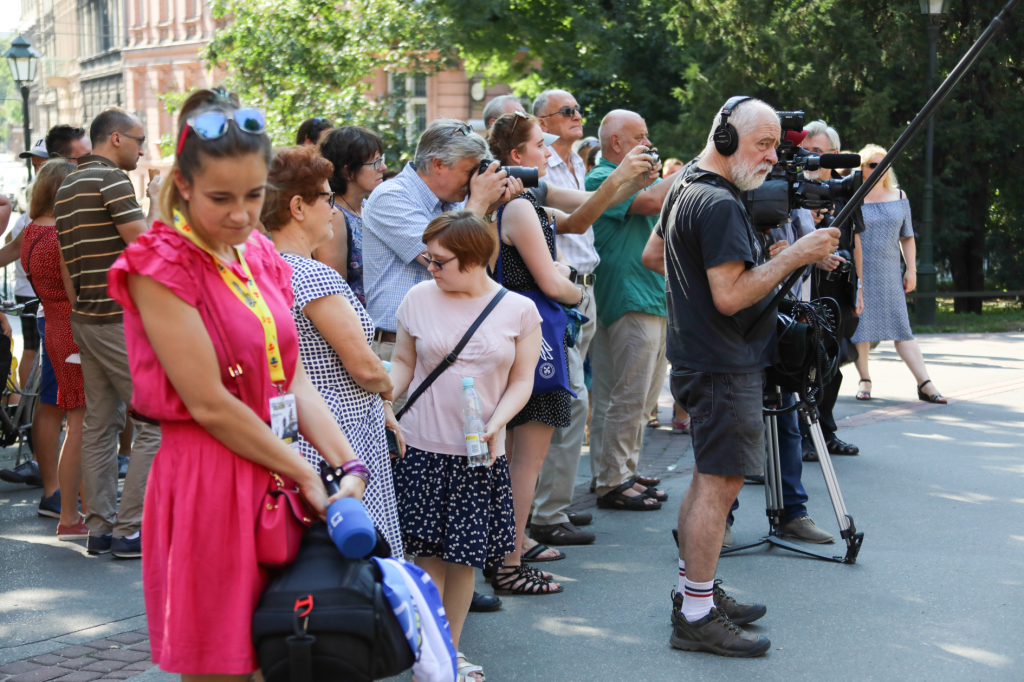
{"type": "Point", "coordinates": [459, 513]}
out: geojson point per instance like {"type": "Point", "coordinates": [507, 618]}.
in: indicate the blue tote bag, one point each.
{"type": "Point", "coordinates": [551, 374]}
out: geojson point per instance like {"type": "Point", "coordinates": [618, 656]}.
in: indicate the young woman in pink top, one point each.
{"type": "Point", "coordinates": [455, 517]}
{"type": "Point", "coordinates": [210, 341]}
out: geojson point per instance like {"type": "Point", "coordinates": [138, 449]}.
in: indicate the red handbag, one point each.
{"type": "Point", "coordinates": [283, 516]}
{"type": "Point", "coordinates": [282, 521]}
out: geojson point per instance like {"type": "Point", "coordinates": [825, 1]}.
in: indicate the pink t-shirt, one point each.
{"type": "Point", "coordinates": [437, 323]}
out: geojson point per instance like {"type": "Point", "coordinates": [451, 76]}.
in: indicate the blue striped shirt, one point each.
{"type": "Point", "coordinates": [394, 218]}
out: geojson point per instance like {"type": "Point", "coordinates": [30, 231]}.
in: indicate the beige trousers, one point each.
{"type": "Point", "coordinates": [108, 390]}
{"type": "Point", "coordinates": [625, 358]}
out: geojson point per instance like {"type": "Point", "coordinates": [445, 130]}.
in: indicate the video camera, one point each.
{"type": "Point", "coordinates": [786, 189]}
{"type": "Point", "coordinates": [530, 177]}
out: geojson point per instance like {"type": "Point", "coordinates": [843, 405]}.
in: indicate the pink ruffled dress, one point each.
{"type": "Point", "coordinates": [199, 571]}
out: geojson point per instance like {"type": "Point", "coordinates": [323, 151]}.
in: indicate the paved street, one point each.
{"type": "Point", "coordinates": [935, 595]}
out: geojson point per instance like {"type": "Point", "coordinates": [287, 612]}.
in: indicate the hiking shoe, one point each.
{"type": "Point", "coordinates": [717, 634]}
{"type": "Point", "coordinates": [122, 466]}
{"type": "Point", "coordinates": [580, 518]}
{"type": "Point", "coordinates": [561, 534]}
{"type": "Point", "coordinates": [740, 614]}
{"type": "Point", "coordinates": [123, 548]}
{"type": "Point", "coordinates": [26, 472]}
{"type": "Point", "coordinates": [803, 528]}
{"type": "Point", "coordinates": [99, 544]}
{"type": "Point", "coordinates": [727, 538]}
{"type": "Point", "coordinates": [50, 506]}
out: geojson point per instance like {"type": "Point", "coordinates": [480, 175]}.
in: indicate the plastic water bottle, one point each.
{"type": "Point", "coordinates": [473, 425]}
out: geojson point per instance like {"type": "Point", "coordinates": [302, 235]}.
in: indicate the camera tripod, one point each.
{"type": "Point", "coordinates": [773, 486]}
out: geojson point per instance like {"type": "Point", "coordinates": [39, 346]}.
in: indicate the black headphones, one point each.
{"type": "Point", "coordinates": [726, 138]}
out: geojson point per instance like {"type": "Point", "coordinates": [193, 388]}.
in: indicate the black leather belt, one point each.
{"type": "Point", "coordinates": [584, 279]}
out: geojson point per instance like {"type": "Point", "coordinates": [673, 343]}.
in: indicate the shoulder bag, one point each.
{"type": "Point", "coordinates": [551, 374]}
{"type": "Point", "coordinates": [450, 359]}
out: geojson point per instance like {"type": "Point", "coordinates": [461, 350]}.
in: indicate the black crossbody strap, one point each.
{"type": "Point", "coordinates": [450, 359]}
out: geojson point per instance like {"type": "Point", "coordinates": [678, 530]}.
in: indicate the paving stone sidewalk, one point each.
{"type": "Point", "coordinates": [116, 657]}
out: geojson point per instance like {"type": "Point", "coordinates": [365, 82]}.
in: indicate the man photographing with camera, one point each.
{"type": "Point", "coordinates": [719, 280]}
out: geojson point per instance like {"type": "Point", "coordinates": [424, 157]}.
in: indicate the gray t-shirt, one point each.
{"type": "Point", "coordinates": [708, 226]}
{"type": "Point", "coordinates": [540, 192]}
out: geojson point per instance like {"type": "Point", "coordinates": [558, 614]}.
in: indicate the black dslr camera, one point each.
{"type": "Point", "coordinates": [530, 177]}
{"type": "Point", "coordinates": [786, 188]}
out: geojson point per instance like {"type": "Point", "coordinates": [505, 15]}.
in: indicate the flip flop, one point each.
{"type": "Point", "coordinates": [533, 555]}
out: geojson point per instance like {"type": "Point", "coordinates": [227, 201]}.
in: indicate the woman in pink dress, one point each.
{"type": "Point", "coordinates": [210, 341]}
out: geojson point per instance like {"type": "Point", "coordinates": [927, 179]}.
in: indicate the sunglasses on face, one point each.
{"type": "Point", "coordinates": [872, 166]}
{"type": "Point", "coordinates": [439, 264]}
{"type": "Point", "coordinates": [140, 139]}
{"type": "Point", "coordinates": [567, 112]}
{"type": "Point", "coordinates": [214, 124]}
{"type": "Point", "coordinates": [330, 198]}
{"type": "Point", "coordinates": [376, 163]}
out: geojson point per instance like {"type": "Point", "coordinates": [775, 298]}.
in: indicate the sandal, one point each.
{"type": "Point", "coordinates": [866, 395]}
{"type": "Point", "coordinates": [521, 580]}
{"type": "Point", "coordinates": [616, 500]}
{"type": "Point", "coordinates": [838, 447]}
{"type": "Point", "coordinates": [648, 481]}
{"type": "Point", "coordinates": [534, 554]}
{"type": "Point", "coordinates": [937, 398]}
{"type": "Point", "coordinates": [467, 669]}
{"type": "Point", "coordinates": [653, 423]}
{"type": "Point", "coordinates": [655, 494]}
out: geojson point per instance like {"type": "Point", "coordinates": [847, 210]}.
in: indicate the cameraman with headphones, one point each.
{"type": "Point", "coordinates": [718, 281]}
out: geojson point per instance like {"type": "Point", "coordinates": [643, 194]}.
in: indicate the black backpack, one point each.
{"type": "Point", "coordinates": [325, 617]}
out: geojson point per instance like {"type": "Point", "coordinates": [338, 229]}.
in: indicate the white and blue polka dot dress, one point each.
{"type": "Point", "coordinates": [885, 305]}
{"type": "Point", "coordinates": [359, 412]}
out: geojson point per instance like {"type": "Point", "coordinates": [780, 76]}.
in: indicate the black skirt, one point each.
{"type": "Point", "coordinates": [459, 513]}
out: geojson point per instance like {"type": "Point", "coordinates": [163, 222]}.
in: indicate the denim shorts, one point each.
{"type": "Point", "coordinates": [48, 378]}
{"type": "Point", "coordinates": [726, 422]}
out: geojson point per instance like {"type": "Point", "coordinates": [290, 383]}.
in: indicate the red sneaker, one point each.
{"type": "Point", "coordinates": [79, 531]}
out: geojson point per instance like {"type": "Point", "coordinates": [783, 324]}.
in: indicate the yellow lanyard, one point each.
{"type": "Point", "coordinates": [248, 293]}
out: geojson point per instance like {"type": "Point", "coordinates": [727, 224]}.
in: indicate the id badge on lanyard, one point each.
{"type": "Point", "coordinates": [284, 418]}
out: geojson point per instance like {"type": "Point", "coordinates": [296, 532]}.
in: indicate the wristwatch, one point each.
{"type": "Point", "coordinates": [491, 217]}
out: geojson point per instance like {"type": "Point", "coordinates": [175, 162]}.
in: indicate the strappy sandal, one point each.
{"type": "Point", "coordinates": [655, 494]}
{"type": "Point", "coordinates": [616, 500]}
{"type": "Point", "coordinates": [521, 580]}
{"type": "Point", "coordinates": [865, 395]}
{"type": "Point", "coordinates": [921, 395]}
{"type": "Point", "coordinates": [534, 554]}
{"type": "Point", "coordinates": [467, 669]}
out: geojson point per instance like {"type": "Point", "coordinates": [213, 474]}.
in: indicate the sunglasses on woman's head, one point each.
{"type": "Point", "coordinates": [214, 124]}
{"type": "Point", "coordinates": [519, 116]}
{"type": "Point", "coordinates": [462, 128]}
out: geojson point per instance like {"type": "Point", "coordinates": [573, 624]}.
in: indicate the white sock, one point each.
{"type": "Point", "coordinates": [133, 536]}
{"type": "Point", "coordinates": [682, 577]}
{"type": "Point", "coordinates": [698, 598]}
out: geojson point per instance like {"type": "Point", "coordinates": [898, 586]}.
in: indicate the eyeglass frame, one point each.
{"type": "Point", "coordinates": [140, 140]}
{"type": "Point", "coordinates": [439, 264]}
{"type": "Point", "coordinates": [873, 165]}
{"type": "Point", "coordinates": [376, 163]}
{"type": "Point", "coordinates": [519, 117]}
{"type": "Point", "coordinates": [228, 118]}
{"type": "Point", "coordinates": [330, 198]}
{"type": "Point", "coordinates": [572, 112]}
{"type": "Point", "coordinates": [463, 128]}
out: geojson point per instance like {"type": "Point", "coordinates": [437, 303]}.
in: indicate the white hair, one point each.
{"type": "Point", "coordinates": [496, 107]}
{"type": "Point", "coordinates": [540, 104]}
{"type": "Point", "coordinates": [442, 140]}
{"type": "Point", "coordinates": [815, 128]}
{"type": "Point", "coordinates": [744, 118]}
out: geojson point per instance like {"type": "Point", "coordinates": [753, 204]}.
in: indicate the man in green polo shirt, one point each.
{"type": "Point", "coordinates": [628, 353]}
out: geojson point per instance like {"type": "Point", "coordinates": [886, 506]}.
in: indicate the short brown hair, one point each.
{"type": "Point", "coordinates": [294, 171]}
{"type": "Point", "coordinates": [44, 190]}
{"type": "Point", "coordinates": [510, 131]}
{"type": "Point", "coordinates": [465, 234]}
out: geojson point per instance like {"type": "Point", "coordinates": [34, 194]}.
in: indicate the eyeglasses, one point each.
{"type": "Point", "coordinates": [330, 198]}
{"type": "Point", "coordinates": [140, 140]}
{"type": "Point", "coordinates": [439, 264]}
{"type": "Point", "coordinates": [462, 128]}
{"type": "Point", "coordinates": [519, 117]}
{"type": "Point", "coordinates": [567, 112]}
{"type": "Point", "coordinates": [214, 124]}
{"type": "Point", "coordinates": [376, 163]}
{"type": "Point", "coordinates": [872, 166]}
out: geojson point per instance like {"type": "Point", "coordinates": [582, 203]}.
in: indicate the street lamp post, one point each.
{"type": "Point", "coordinates": [933, 9]}
{"type": "Point", "coordinates": [22, 58]}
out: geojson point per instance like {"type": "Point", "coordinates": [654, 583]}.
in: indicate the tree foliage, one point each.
{"type": "Point", "coordinates": [302, 58]}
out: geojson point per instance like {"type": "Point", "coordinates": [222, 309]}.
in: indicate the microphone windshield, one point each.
{"type": "Point", "coordinates": [840, 161]}
{"type": "Point", "coordinates": [794, 136]}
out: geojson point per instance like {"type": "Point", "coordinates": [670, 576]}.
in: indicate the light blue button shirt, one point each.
{"type": "Point", "coordinates": [394, 218]}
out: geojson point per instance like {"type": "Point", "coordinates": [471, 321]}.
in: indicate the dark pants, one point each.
{"type": "Point", "coordinates": [825, 417]}
{"type": "Point", "coordinates": [791, 464]}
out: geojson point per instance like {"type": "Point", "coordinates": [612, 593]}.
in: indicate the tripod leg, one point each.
{"type": "Point", "coordinates": [830, 476]}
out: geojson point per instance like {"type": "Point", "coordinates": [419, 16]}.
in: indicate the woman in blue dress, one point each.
{"type": "Point", "coordinates": [888, 231]}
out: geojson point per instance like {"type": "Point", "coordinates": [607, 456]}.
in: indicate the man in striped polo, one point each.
{"type": "Point", "coordinates": [97, 217]}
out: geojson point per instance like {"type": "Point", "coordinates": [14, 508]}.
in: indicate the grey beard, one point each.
{"type": "Point", "coordinates": [749, 179]}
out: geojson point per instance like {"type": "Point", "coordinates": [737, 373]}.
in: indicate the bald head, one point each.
{"type": "Point", "coordinates": [621, 130]}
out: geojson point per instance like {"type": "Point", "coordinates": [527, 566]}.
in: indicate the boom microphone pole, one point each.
{"type": "Point", "coordinates": [937, 99]}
